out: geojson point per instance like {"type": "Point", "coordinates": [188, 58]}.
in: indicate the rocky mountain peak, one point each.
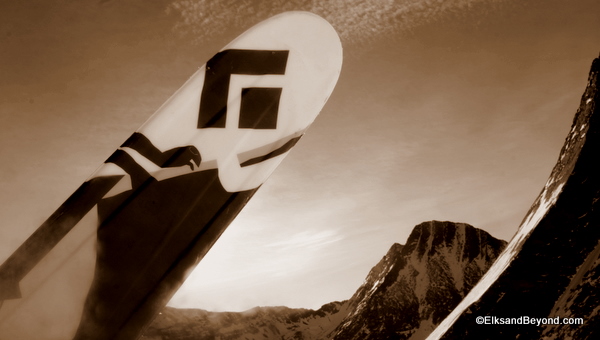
{"type": "Point", "coordinates": [415, 286]}
{"type": "Point", "coordinates": [463, 240]}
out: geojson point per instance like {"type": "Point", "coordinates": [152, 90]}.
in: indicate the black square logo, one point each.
{"type": "Point", "coordinates": [259, 107]}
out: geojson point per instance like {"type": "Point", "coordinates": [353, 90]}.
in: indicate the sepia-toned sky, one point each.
{"type": "Point", "coordinates": [452, 110]}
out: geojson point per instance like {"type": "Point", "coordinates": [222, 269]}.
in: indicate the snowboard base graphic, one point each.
{"type": "Point", "coordinates": [116, 251]}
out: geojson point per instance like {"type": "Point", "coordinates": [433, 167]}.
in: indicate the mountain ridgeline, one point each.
{"type": "Point", "coordinates": [551, 268]}
{"type": "Point", "coordinates": [404, 296]}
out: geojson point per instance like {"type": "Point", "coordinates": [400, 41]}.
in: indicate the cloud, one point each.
{"type": "Point", "coordinates": [356, 21]}
{"type": "Point", "coordinates": [307, 239]}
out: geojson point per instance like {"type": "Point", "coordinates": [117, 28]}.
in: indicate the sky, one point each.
{"type": "Point", "coordinates": [452, 110]}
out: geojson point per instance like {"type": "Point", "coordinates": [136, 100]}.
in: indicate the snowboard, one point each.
{"type": "Point", "coordinates": [113, 254]}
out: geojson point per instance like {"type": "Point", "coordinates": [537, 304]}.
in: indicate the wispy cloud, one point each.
{"type": "Point", "coordinates": [307, 239]}
{"type": "Point", "coordinates": [355, 20]}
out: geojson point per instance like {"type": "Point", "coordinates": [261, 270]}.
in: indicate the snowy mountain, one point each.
{"type": "Point", "coordinates": [415, 286]}
{"type": "Point", "coordinates": [550, 269]}
{"type": "Point", "coordinates": [404, 296]}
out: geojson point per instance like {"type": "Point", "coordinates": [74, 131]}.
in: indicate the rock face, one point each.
{"type": "Point", "coordinates": [404, 296]}
{"type": "Point", "coordinates": [415, 286]}
{"type": "Point", "coordinates": [550, 269]}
